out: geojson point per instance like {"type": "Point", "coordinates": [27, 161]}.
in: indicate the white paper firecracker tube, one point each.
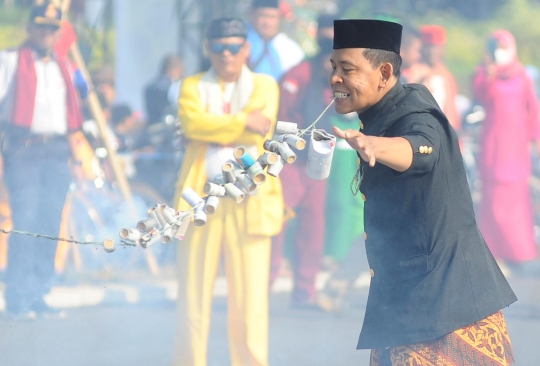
{"type": "Point", "coordinates": [276, 168]}
{"type": "Point", "coordinates": [268, 158]}
{"type": "Point", "coordinates": [200, 216]}
{"type": "Point", "coordinates": [279, 138]}
{"type": "Point", "coordinates": [238, 169]}
{"type": "Point", "coordinates": [244, 157]}
{"type": "Point", "coordinates": [271, 145]}
{"type": "Point", "coordinates": [286, 153]}
{"type": "Point", "coordinates": [108, 245]}
{"type": "Point", "coordinates": [283, 128]}
{"type": "Point", "coordinates": [229, 176]}
{"type": "Point", "coordinates": [150, 238]}
{"type": "Point", "coordinates": [168, 235]}
{"type": "Point", "coordinates": [212, 202]}
{"type": "Point", "coordinates": [240, 187]}
{"type": "Point", "coordinates": [256, 173]}
{"type": "Point", "coordinates": [321, 150]}
{"type": "Point", "coordinates": [295, 141]}
{"type": "Point", "coordinates": [234, 192]}
{"type": "Point", "coordinates": [181, 233]}
{"type": "Point", "coordinates": [174, 232]}
{"type": "Point", "coordinates": [212, 189]}
{"type": "Point", "coordinates": [145, 226]}
{"type": "Point", "coordinates": [130, 234]}
{"type": "Point", "coordinates": [233, 165]}
{"type": "Point", "coordinates": [156, 214]}
{"type": "Point", "coordinates": [246, 183]}
{"type": "Point", "coordinates": [169, 214]}
{"type": "Point", "coordinates": [147, 236]}
{"type": "Point", "coordinates": [231, 170]}
{"type": "Point", "coordinates": [191, 197]}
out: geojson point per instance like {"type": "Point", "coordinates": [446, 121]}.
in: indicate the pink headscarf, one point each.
{"type": "Point", "coordinates": [507, 40]}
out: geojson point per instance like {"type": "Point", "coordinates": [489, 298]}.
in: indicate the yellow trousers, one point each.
{"type": "Point", "coordinates": [247, 264]}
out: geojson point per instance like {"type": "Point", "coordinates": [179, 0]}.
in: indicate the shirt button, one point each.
{"type": "Point", "coordinates": [365, 235]}
{"type": "Point", "coordinates": [372, 272]}
{"type": "Point", "coordinates": [361, 126]}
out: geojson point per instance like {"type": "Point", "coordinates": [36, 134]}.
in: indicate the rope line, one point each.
{"type": "Point", "coordinates": [57, 238]}
{"type": "Point", "coordinates": [312, 126]}
{"type": "Point", "coordinates": [188, 212]}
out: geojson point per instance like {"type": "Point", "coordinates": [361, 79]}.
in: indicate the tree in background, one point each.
{"type": "Point", "coordinates": [466, 38]}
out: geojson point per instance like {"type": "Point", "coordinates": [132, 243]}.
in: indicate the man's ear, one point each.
{"type": "Point", "coordinates": [387, 71]}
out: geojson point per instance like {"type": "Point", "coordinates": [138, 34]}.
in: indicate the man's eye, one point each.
{"type": "Point", "coordinates": [346, 71]}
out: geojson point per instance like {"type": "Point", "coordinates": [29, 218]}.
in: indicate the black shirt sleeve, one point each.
{"type": "Point", "coordinates": [421, 130]}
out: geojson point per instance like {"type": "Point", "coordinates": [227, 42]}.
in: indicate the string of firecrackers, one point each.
{"type": "Point", "coordinates": [240, 177]}
{"type": "Point", "coordinates": [108, 244]}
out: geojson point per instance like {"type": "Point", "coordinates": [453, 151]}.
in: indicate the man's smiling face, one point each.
{"type": "Point", "coordinates": [355, 82]}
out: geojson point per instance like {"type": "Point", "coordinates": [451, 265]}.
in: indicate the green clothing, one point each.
{"type": "Point", "coordinates": [344, 212]}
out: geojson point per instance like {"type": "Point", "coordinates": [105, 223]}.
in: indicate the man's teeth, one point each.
{"type": "Point", "coordinates": [340, 95]}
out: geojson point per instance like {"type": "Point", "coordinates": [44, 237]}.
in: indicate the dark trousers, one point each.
{"type": "Point", "coordinates": [37, 178]}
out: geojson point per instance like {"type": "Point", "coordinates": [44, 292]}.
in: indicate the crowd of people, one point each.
{"type": "Point", "coordinates": [258, 75]}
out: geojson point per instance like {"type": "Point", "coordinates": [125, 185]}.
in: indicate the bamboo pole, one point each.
{"type": "Point", "coordinates": [65, 6]}
{"type": "Point", "coordinates": [97, 113]}
{"type": "Point", "coordinates": [99, 117]}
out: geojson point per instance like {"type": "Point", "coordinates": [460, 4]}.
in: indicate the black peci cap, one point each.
{"type": "Point", "coordinates": [367, 33]}
{"type": "Point", "coordinates": [226, 27]}
{"type": "Point", "coordinates": [265, 4]}
{"type": "Point", "coordinates": [46, 14]}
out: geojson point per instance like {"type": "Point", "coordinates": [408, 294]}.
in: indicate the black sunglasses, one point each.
{"type": "Point", "coordinates": [219, 48]}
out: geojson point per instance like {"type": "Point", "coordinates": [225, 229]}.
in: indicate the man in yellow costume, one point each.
{"type": "Point", "coordinates": [220, 109]}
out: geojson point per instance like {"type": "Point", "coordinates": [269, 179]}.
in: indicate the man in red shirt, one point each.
{"type": "Point", "coordinates": [303, 87]}
{"type": "Point", "coordinates": [439, 80]}
{"type": "Point", "coordinates": [40, 115]}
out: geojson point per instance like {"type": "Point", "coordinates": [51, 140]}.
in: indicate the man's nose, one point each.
{"type": "Point", "coordinates": [335, 79]}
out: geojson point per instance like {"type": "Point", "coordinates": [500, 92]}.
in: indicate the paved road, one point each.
{"type": "Point", "coordinates": [141, 334]}
{"type": "Point", "coordinates": [131, 322]}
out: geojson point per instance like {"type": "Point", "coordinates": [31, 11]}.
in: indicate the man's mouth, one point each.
{"type": "Point", "coordinates": [341, 95]}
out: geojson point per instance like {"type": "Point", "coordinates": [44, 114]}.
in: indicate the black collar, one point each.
{"type": "Point", "coordinates": [373, 123]}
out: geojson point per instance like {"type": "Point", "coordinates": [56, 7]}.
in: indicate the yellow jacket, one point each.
{"type": "Point", "coordinates": [265, 209]}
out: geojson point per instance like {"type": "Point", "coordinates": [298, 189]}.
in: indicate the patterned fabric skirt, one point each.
{"type": "Point", "coordinates": [484, 343]}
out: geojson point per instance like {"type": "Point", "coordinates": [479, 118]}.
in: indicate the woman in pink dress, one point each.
{"type": "Point", "coordinates": [512, 123]}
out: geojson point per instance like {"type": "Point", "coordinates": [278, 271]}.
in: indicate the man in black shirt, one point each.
{"type": "Point", "coordinates": [158, 93]}
{"type": "Point", "coordinates": [432, 274]}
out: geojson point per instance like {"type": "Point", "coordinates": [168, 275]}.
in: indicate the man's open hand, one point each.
{"type": "Point", "coordinates": [360, 142]}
